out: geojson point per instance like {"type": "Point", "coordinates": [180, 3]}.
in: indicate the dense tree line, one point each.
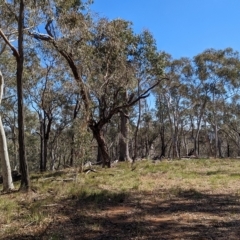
{"type": "Point", "coordinates": [77, 89]}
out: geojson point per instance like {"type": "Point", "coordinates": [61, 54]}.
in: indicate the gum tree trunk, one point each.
{"type": "Point", "coordinates": [6, 168]}
{"type": "Point", "coordinates": [123, 141]}
{"type": "Point", "coordinates": [98, 135]}
{"type": "Point", "coordinates": [25, 180]}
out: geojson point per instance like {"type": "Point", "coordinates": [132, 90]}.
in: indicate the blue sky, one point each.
{"type": "Point", "coordinates": [182, 28]}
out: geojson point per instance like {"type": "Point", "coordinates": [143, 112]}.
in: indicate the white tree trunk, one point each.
{"type": "Point", "coordinates": [6, 168]}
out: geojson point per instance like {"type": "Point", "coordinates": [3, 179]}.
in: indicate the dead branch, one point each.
{"type": "Point", "coordinates": [89, 170]}
{"type": "Point", "coordinates": [14, 50]}
{"type": "Point", "coordinates": [51, 205]}
{"type": "Point", "coordinates": [45, 179]}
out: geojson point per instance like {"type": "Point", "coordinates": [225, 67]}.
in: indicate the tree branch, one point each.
{"type": "Point", "coordinates": [129, 104]}
{"type": "Point", "coordinates": [15, 51]}
{"type": "Point", "coordinates": [70, 61]}
{"type": "Point", "coordinates": [47, 27]}
{"type": "Point", "coordinates": [12, 12]}
{"type": "Point", "coordinates": [143, 95]}
{"type": "Point", "coordinates": [3, 49]}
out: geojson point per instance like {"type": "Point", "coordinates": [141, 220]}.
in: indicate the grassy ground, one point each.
{"type": "Point", "coordinates": [186, 199]}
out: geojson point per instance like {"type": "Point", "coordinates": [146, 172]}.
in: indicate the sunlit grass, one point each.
{"type": "Point", "coordinates": [8, 209]}
{"type": "Point", "coordinates": [165, 179]}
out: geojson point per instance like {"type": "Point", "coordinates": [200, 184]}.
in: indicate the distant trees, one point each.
{"type": "Point", "coordinates": [105, 68]}
{"type": "Point", "coordinates": [196, 102]}
{"type": "Point", "coordinates": [85, 84]}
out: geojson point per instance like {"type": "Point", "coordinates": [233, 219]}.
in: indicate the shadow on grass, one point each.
{"type": "Point", "coordinates": [37, 176]}
{"type": "Point", "coordinates": [55, 174]}
{"type": "Point", "coordinates": [237, 175]}
{"type": "Point", "coordinates": [211, 173]}
{"type": "Point", "coordinates": [103, 197]}
{"type": "Point", "coordinates": [217, 172]}
{"type": "Point", "coordinates": [186, 214]}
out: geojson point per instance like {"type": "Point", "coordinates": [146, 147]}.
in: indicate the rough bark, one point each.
{"type": "Point", "coordinates": [47, 129]}
{"type": "Point", "coordinates": [18, 54]}
{"type": "Point", "coordinates": [42, 143]}
{"type": "Point", "coordinates": [98, 135]}
{"type": "Point", "coordinates": [25, 180]}
{"type": "Point", "coordinates": [99, 156]}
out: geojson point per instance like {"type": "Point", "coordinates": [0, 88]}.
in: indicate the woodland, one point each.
{"type": "Point", "coordinates": [104, 136]}
{"type": "Point", "coordinates": [80, 89]}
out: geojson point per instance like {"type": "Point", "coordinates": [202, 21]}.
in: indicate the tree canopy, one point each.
{"type": "Point", "coordinates": [83, 86]}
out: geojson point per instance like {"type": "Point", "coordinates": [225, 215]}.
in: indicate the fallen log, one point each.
{"type": "Point", "coordinates": [16, 176]}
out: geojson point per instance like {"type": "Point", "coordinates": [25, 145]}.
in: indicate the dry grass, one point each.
{"type": "Point", "coordinates": [187, 199]}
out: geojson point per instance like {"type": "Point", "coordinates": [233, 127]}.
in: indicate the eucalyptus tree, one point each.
{"type": "Point", "coordinates": [9, 118]}
{"type": "Point", "coordinates": [148, 133]}
{"type": "Point", "coordinates": [6, 167]}
{"type": "Point", "coordinates": [174, 100]}
{"type": "Point", "coordinates": [195, 101]}
{"type": "Point", "coordinates": [8, 10]}
{"type": "Point", "coordinates": [199, 99]}
{"type": "Point", "coordinates": [163, 129]}
{"type": "Point", "coordinates": [231, 129]}
{"type": "Point", "coordinates": [218, 70]}
{"type": "Point", "coordinates": [45, 105]}
{"type": "Point", "coordinates": [117, 55]}
{"type": "Point", "coordinates": [9, 105]}
{"type": "Point", "coordinates": [99, 56]}
{"type": "Point", "coordinates": [54, 103]}
{"type": "Point", "coordinates": [149, 65]}
{"type": "Point", "coordinates": [17, 18]}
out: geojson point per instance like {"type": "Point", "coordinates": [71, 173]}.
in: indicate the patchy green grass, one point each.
{"type": "Point", "coordinates": [137, 196]}
{"type": "Point", "coordinates": [7, 207]}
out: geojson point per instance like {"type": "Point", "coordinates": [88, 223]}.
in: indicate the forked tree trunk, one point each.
{"type": "Point", "coordinates": [98, 135]}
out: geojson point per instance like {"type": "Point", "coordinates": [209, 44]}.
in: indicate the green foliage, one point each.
{"type": "Point", "coordinates": [111, 60]}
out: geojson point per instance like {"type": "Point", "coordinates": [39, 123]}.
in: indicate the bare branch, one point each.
{"type": "Point", "coordinates": [9, 8]}
{"type": "Point", "coordinates": [47, 27]}
{"type": "Point", "coordinates": [70, 61]}
{"type": "Point", "coordinates": [144, 94]}
{"type": "Point", "coordinates": [16, 32]}
{"type": "Point", "coordinates": [15, 52]}
{"type": "Point", "coordinates": [41, 36]}
{"type": "Point", "coordinates": [8, 97]}
{"type": "Point", "coordinates": [115, 110]}
{"type": "Point", "coordinates": [3, 49]}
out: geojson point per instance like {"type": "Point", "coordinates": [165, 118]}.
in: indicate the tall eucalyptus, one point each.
{"type": "Point", "coordinates": [19, 56]}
